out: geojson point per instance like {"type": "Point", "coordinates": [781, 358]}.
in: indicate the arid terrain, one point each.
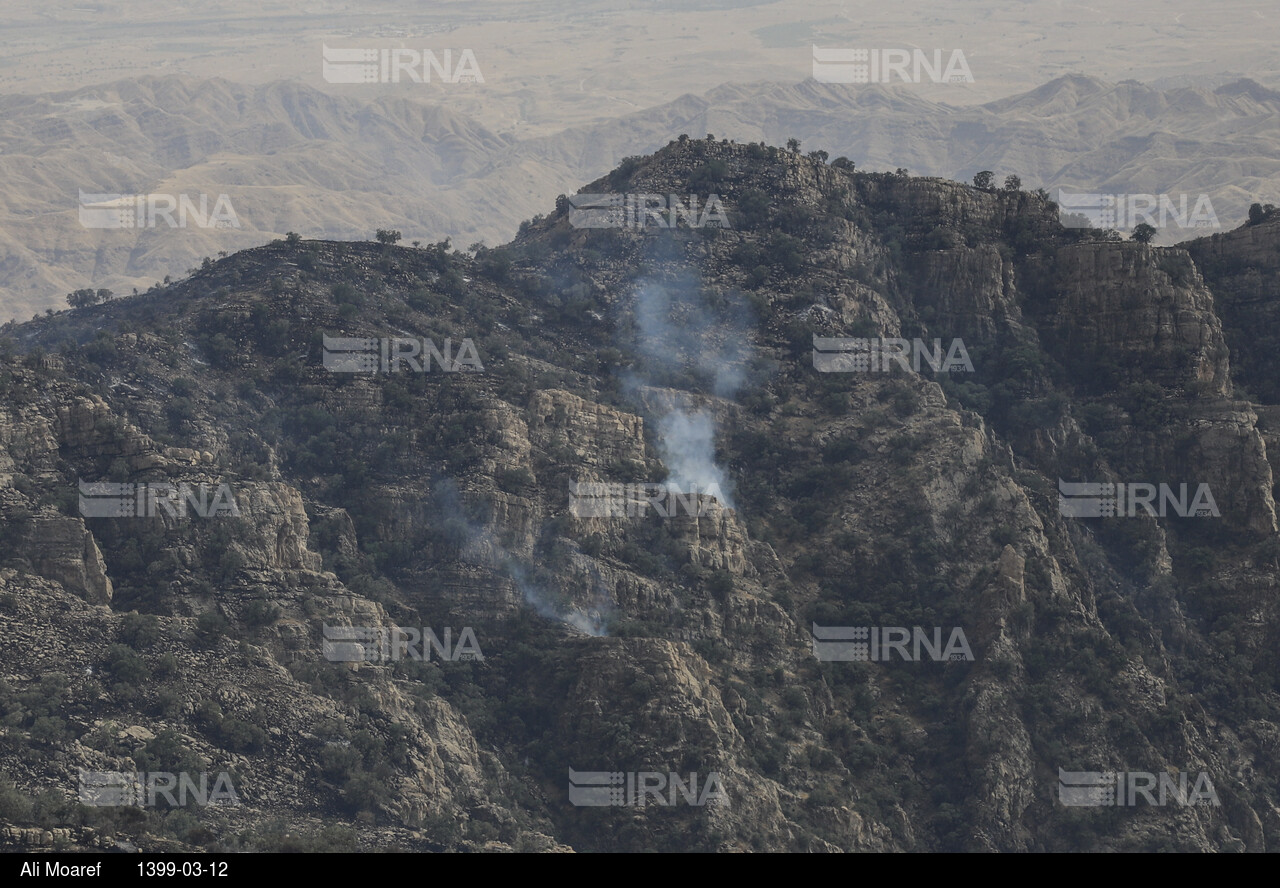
{"type": "Point", "coordinates": [290, 157]}
{"type": "Point", "coordinates": [644, 426]}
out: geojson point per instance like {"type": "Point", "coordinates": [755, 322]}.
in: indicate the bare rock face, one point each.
{"type": "Point", "coordinates": [715, 540]}
{"type": "Point", "coordinates": [1136, 316]}
{"type": "Point", "coordinates": [1140, 305]}
{"type": "Point", "coordinates": [90, 427]}
{"type": "Point", "coordinates": [273, 528]}
{"type": "Point", "coordinates": [1243, 269]}
{"type": "Point", "coordinates": [61, 549]}
{"type": "Point", "coordinates": [1227, 452]}
{"type": "Point", "coordinates": [972, 291]}
{"type": "Point", "coordinates": [27, 443]}
{"type": "Point", "coordinates": [595, 434]}
{"type": "Point", "coordinates": [665, 700]}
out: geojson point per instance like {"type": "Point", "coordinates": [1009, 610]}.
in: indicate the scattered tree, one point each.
{"type": "Point", "coordinates": [1012, 183]}
{"type": "Point", "coordinates": [984, 180]}
{"type": "Point", "coordinates": [793, 145]}
{"type": "Point", "coordinates": [82, 298]}
{"type": "Point", "coordinates": [1142, 233]}
{"type": "Point", "coordinates": [387, 237]}
{"type": "Point", "coordinates": [1259, 213]}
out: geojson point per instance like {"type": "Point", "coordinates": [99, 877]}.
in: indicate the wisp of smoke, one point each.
{"type": "Point", "coordinates": [686, 442]}
{"type": "Point", "coordinates": [672, 331]}
{"type": "Point", "coordinates": [588, 623]}
{"type": "Point", "coordinates": [481, 547]}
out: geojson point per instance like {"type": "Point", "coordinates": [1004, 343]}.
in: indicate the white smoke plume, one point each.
{"type": "Point", "coordinates": [480, 546]}
{"type": "Point", "coordinates": [686, 443]}
{"type": "Point", "coordinates": [591, 622]}
{"type": "Point", "coordinates": [678, 328]}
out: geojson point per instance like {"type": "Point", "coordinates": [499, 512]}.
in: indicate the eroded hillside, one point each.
{"type": "Point", "coordinates": [676, 644]}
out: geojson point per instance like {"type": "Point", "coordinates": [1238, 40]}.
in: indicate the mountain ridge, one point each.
{"type": "Point", "coordinates": [340, 168]}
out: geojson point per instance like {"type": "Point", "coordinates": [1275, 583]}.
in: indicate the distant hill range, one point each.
{"type": "Point", "coordinates": [292, 158]}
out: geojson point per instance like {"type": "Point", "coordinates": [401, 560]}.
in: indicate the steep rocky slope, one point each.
{"type": "Point", "coordinates": [677, 645]}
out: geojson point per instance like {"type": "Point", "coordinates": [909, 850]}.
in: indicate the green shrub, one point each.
{"type": "Point", "coordinates": [15, 806]}
{"type": "Point", "coordinates": [48, 729]}
{"type": "Point", "coordinates": [261, 613]}
{"type": "Point", "coordinates": [124, 665]}
{"type": "Point", "coordinates": [514, 479]}
{"type": "Point", "coordinates": [139, 631]}
{"type": "Point", "coordinates": [211, 627]}
{"type": "Point", "coordinates": [241, 736]}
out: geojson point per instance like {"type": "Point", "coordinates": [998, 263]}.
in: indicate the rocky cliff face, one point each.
{"type": "Point", "coordinates": [417, 622]}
